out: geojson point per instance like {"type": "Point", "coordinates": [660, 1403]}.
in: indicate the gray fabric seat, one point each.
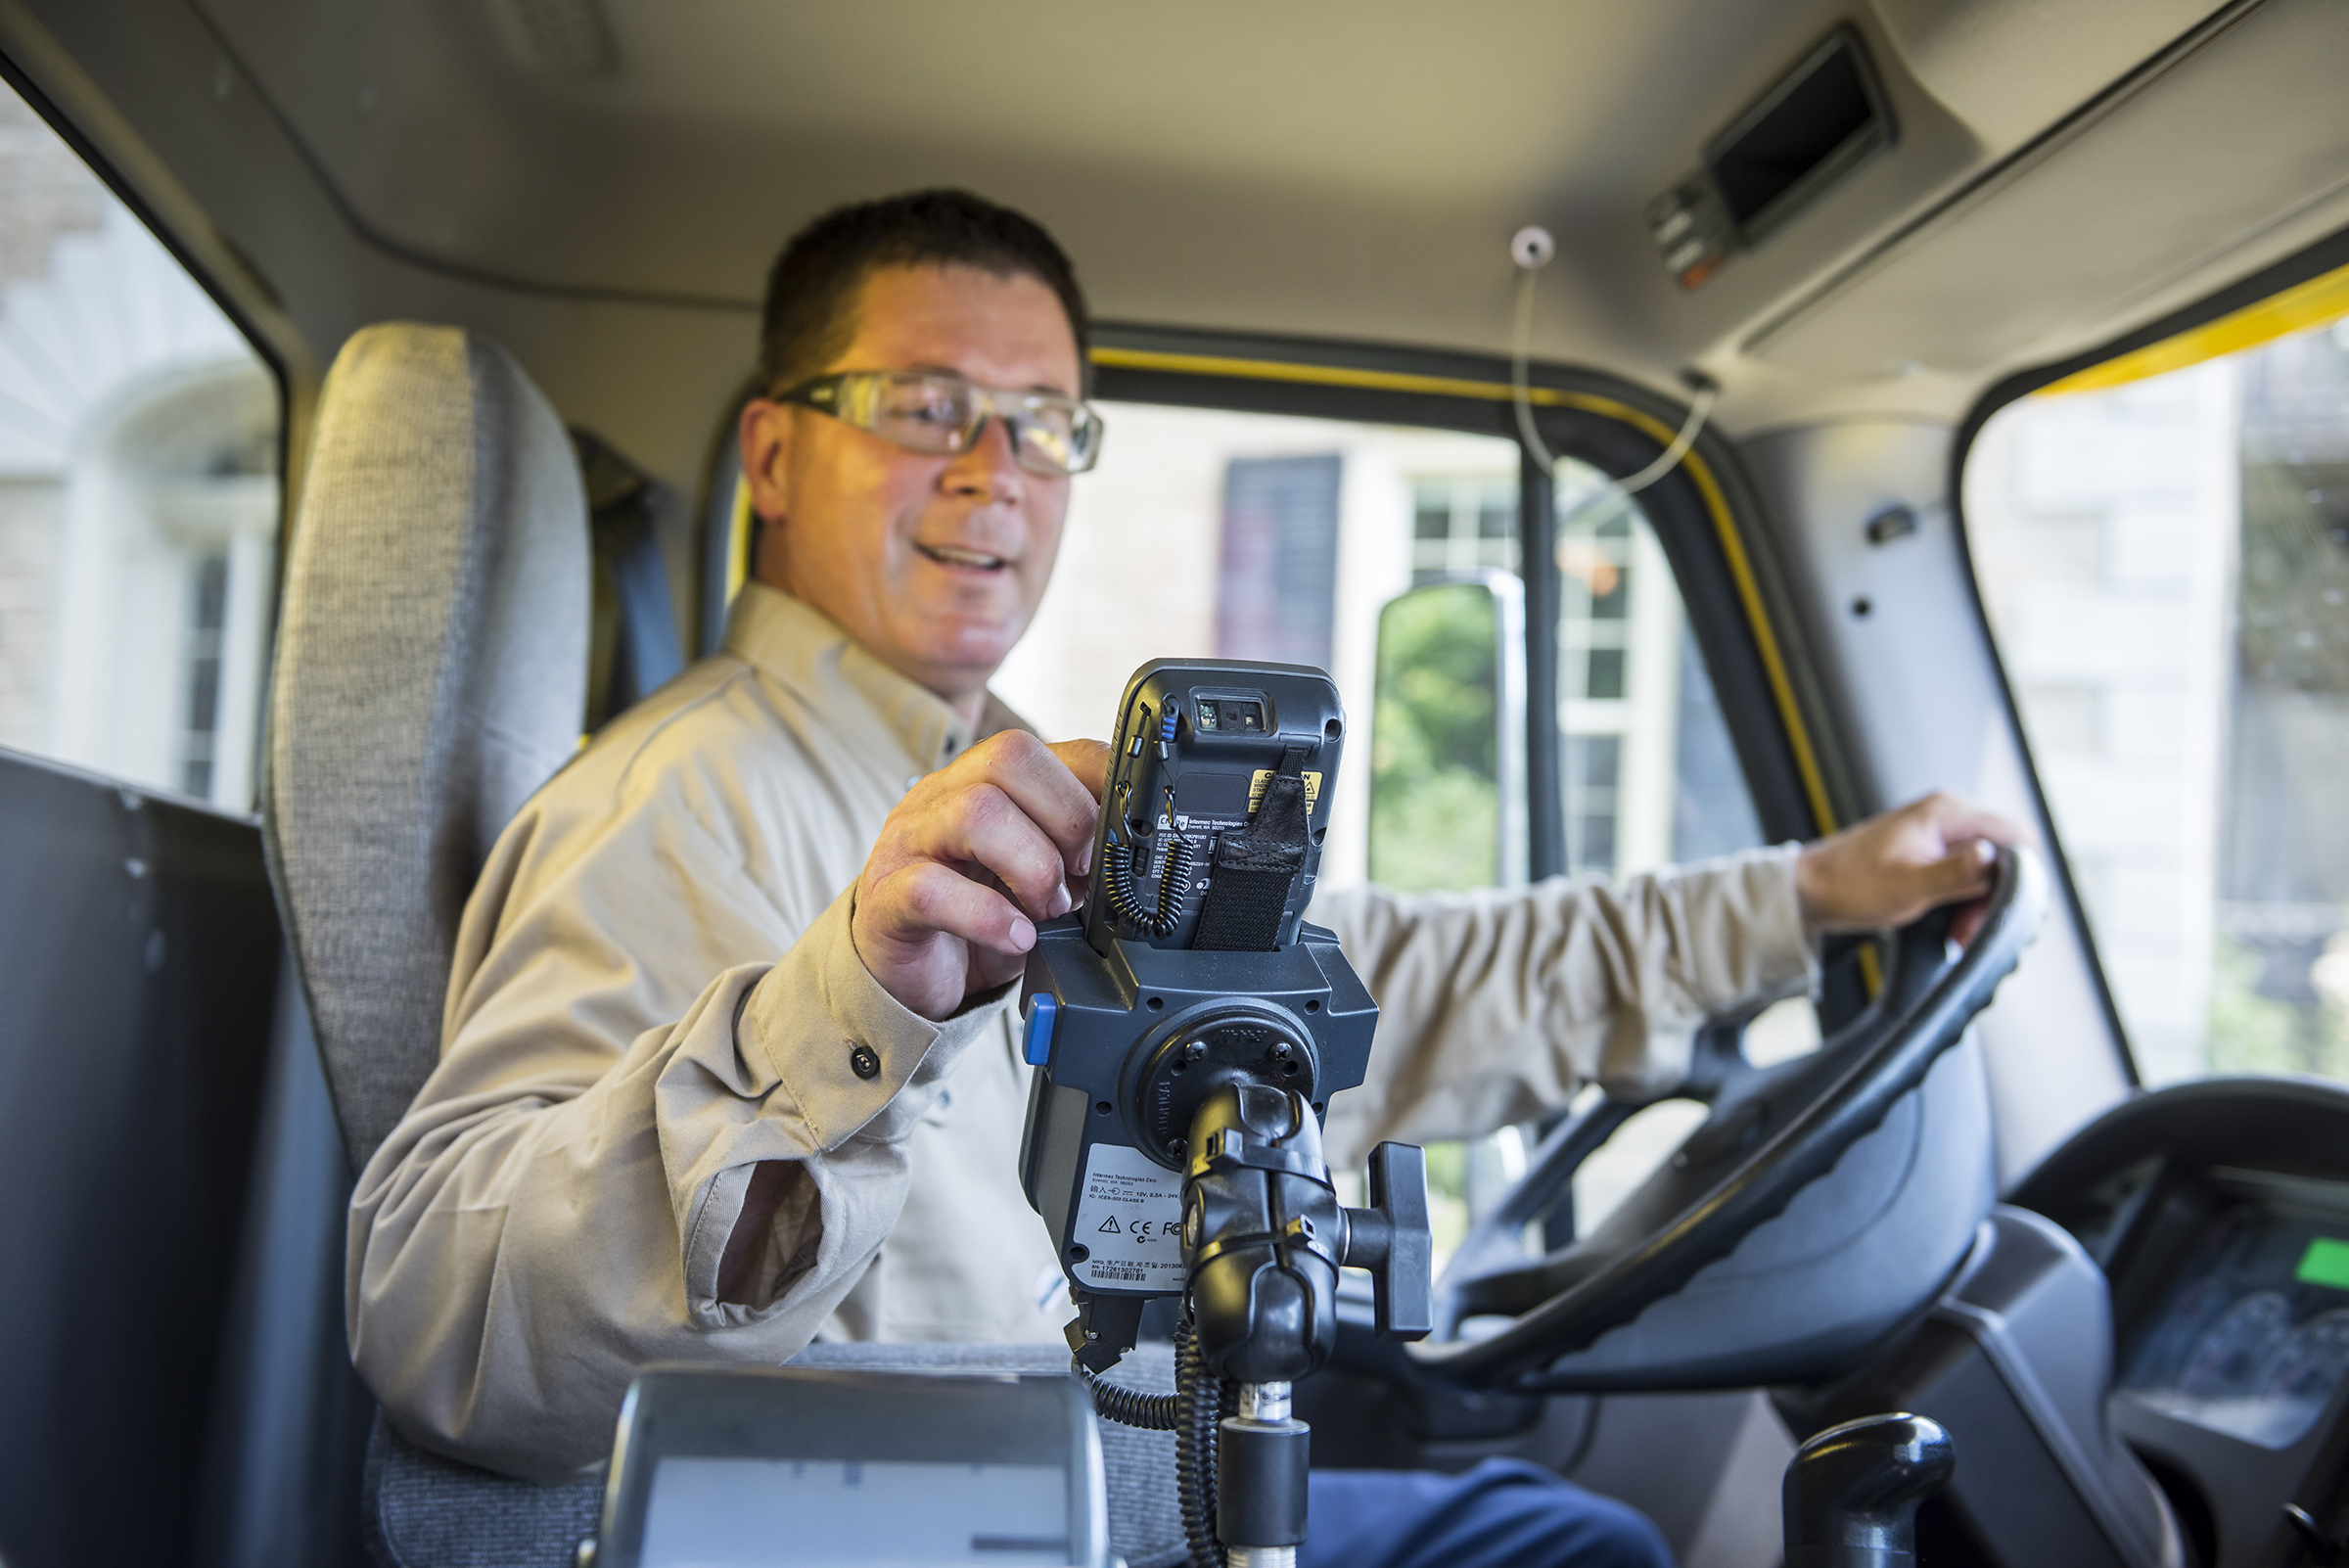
{"type": "Point", "coordinates": [432, 666]}
{"type": "Point", "coordinates": [431, 671]}
{"type": "Point", "coordinates": [425, 1511]}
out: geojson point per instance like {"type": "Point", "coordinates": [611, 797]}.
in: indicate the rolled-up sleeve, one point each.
{"type": "Point", "coordinates": [1496, 1006]}
{"type": "Point", "coordinates": [553, 1211]}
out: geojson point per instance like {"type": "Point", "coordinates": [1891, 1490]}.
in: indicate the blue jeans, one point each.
{"type": "Point", "coordinates": [1504, 1513]}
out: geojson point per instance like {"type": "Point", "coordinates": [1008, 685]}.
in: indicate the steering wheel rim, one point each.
{"type": "Point", "coordinates": [1768, 1133]}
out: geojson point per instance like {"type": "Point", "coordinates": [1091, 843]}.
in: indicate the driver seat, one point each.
{"type": "Point", "coordinates": [431, 671]}
{"type": "Point", "coordinates": [431, 668]}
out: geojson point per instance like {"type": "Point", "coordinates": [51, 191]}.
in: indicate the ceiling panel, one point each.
{"type": "Point", "coordinates": [2242, 146]}
{"type": "Point", "coordinates": [1318, 167]}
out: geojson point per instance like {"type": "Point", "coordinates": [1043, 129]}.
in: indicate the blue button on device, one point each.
{"type": "Point", "coordinates": [1041, 1011]}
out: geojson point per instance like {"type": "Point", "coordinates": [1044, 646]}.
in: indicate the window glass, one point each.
{"type": "Point", "coordinates": [1463, 522]}
{"type": "Point", "coordinates": [1649, 777]}
{"type": "Point", "coordinates": [1263, 536]}
{"type": "Point", "coordinates": [1648, 772]}
{"type": "Point", "coordinates": [1231, 535]}
{"type": "Point", "coordinates": [2166, 569]}
{"type": "Point", "coordinates": [138, 492]}
{"type": "Point", "coordinates": [1447, 783]}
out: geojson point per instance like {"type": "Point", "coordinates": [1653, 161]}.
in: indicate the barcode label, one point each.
{"type": "Point", "coordinates": [1130, 1221]}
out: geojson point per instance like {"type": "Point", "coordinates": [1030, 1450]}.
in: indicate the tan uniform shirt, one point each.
{"type": "Point", "coordinates": [655, 989]}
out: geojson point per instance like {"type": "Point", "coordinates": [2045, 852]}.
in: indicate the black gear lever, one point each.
{"type": "Point", "coordinates": [1850, 1492]}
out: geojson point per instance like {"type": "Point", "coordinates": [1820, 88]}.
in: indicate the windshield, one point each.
{"type": "Point", "coordinates": [1216, 531]}
{"type": "Point", "coordinates": [2166, 569]}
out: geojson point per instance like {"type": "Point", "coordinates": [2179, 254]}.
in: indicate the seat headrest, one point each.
{"type": "Point", "coordinates": [431, 674]}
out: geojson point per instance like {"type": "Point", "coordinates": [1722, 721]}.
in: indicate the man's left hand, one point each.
{"type": "Point", "coordinates": [1893, 867]}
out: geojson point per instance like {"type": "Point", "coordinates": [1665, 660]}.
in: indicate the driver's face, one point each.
{"type": "Point", "coordinates": [933, 562]}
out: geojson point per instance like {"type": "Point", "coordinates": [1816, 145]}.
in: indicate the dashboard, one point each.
{"type": "Point", "coordinates": [2252, 1337]}
{"type": "Point", "coordinates": [2219, 1213]}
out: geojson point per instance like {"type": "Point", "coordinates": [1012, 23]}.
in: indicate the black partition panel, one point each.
{"type": "Point", "coordinates": [139, 955]}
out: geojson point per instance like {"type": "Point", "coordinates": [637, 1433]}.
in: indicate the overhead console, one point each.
{"type": "Point", "coordinates": [1817, 125]}
{"type": "Point", "coordinates": [2219, 156]}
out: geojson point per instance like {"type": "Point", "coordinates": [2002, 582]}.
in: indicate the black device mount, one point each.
{"type": "Point", "coordinates": [1188, 1029]}
{"type": "Point", "coordinates": [1264, 1236]}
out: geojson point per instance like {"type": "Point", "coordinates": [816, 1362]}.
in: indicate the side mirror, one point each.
{"type": "Point", "coordinates": [1448, 792]}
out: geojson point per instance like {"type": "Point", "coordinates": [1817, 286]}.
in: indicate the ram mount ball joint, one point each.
{"type": "Point", "coordinates": [1187, 1030]}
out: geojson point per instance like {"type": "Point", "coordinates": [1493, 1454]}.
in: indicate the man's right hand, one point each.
{"type": "Point", "coordinates": [969, 860]}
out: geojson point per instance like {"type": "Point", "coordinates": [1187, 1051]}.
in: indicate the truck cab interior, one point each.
{"type": "Point", "coordinates": [1899, 395]}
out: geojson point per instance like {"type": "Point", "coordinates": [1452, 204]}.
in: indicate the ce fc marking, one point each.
{"type": "Point", "coordinates": [1139, 1230]}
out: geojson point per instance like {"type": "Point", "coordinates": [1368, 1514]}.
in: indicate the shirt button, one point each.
{"type": "Point", "coordinates": [911, 779]}
{"type": "Point", "coordinates": [862, 1062]}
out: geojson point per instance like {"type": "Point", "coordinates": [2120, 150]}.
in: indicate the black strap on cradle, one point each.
{"type": "Point", "coordinates": [1254, 868]}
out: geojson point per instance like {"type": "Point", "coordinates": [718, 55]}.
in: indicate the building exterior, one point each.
{"type": "Point", "coordinates": [1261, 536]}
{"type": "Point", "coordinates": [138, 492]}
{"type": "Point", "coordinates": [2165, 566]}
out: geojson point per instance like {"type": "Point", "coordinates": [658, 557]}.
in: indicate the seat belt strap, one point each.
{"type": "Point", "coordinates": [632, 642]}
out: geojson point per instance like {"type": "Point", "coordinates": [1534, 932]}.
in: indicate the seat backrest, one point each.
{"type": "Point", "coordinates": [431, 674]}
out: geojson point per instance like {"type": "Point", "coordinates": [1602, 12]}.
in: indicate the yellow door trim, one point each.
{"type": "Point", "coordinates": [1725, 525]}
{"type": "Point", "coordinates": [2318, 303]}
{"type": "Point", "coordinates": [738, 538]}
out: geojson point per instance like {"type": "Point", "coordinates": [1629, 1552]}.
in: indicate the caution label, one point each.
{"type": "Point", "coordinates": [1262, 780]}
{"type": "Point", "coordinates": [1129, 1219]}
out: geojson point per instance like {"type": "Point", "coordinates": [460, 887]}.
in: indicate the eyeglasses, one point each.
{"type": "Point", "coordinates": [933, 411]}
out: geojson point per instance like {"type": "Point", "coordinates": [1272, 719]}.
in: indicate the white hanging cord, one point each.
{"type": "Point", "coordinates": [1532, 248]}
{"type": "Point", "coordinates": [1521, 342]}
{"type": "Point", "coordinates": [1669, 458]}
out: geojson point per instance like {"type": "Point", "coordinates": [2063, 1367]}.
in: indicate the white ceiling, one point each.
{"type": "Point", "coordinates": [1345, 168]}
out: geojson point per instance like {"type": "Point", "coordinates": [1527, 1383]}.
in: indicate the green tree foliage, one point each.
{"type": "Point", "coordinates": [1447, 1196]}
{"type": "Point", "coordinates": [2254, 1032]}
{"type": "Point", "coordinates": [1435, 803]}
{"type": "Point", "coordinates": [2294, 574]}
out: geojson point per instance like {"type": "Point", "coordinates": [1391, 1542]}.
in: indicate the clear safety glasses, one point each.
{"type": "Point", "coordinates": [932, 411]}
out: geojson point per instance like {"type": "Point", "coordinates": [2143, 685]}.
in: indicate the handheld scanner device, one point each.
{"type": "Point", "coordinates": [1218, 796]}
{"type": "Point", "coordinates": [1190, 970]}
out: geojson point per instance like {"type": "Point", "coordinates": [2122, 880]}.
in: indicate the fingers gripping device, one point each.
{"type": "Point", "coordinates": [1189, 1029]}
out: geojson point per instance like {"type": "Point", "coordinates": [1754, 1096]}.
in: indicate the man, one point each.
{"type": "Point", "coordinates": [728, 1062]}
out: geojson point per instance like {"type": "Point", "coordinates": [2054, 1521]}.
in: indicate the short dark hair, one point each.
{"type": "Point", "coordinates": [812, 293]}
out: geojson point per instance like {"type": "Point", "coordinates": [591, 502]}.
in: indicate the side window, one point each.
{"type": "Point", "coordinates": [1648, 771]}
{"type": "Point", "coordinates": [1205, 532]}
{"type": "Point", "coordinates": [1463, 522]}
{"type": "Point", "coordinates": [138, 492]}
{"type": "Point", "coordinates": [2165, 564]}
{"type": "Point", "coordinates": [1649, 777]}
{"type": "Point", "coordinates": [1266, 536]}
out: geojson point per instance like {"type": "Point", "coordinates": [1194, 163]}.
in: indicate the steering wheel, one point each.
{"type": "Point", "coordinates": [1503, 1318]}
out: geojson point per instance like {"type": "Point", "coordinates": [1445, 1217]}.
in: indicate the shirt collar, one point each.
{"type": "Point", "coordinates": [805, 650]}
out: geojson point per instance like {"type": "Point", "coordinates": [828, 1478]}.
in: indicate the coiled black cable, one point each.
{"type": "Point", "coordinates": [1173, 880]}
{"type": "Point", "coordinates": [1200, 1399]}
{"type": "Point", "coordinates": [1194, 1413]}
{"type": "Point", "coordinates": [1152, 1412]}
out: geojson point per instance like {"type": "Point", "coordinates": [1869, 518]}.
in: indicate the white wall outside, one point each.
{"type": "Point", "coordinates": [138, 437]}
{"type": "Point", "coordinates": [2103, 527]}
{"type": "Point", "coordinates": [1137, 573]}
